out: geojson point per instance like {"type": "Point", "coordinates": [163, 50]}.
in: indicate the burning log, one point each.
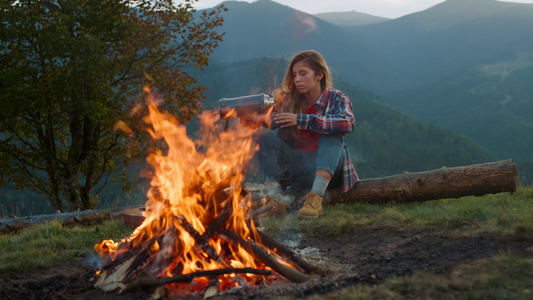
{"type": "Point", "coordinates": [201, 242]}
{"type": "Point", "coordinates": [261, 255]}
{"type": "Point", "coordinates": [129, 261]}
{"type": "Point", "coordinates": [472, 180]}
{"type": "Point", "coordinates": [148, 283]}
{"type": "Point", "coordinates": [282, 250]}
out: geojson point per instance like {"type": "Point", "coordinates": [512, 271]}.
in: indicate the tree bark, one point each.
{"type": "Point", "coordinates": [456, 182]}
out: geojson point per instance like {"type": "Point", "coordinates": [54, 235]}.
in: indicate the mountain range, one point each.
{"type": "Point", "coordinates": [350, 18]}
{"type": "Point", "coordinates": [462, 65]}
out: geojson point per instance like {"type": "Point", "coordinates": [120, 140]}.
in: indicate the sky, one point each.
{"type": "Point", "coordinates": [382, 8]}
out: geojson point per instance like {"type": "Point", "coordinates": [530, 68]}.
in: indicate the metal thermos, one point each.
{"type": "Point", "coordinates": [246, 105]}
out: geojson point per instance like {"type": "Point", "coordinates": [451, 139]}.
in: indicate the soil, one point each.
{"type": "Point", "coordinates": [365, 257]}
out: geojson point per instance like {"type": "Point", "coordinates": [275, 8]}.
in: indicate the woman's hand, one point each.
{"type": "Point", "coordinates": [286, 119]}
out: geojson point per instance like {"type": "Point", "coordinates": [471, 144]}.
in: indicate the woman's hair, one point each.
{"type": "Point", "coordinates": [288, 98]}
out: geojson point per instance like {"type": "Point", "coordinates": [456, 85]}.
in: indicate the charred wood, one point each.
{"type": "Point", "coordinates": [265, 258]}
{"type": "Point", "coordinates": [218, 222]}
{"type": "Point", "coordinates": [284, 251]}
{"type": "Point", "coordinates": [201, 242]}
{"type": "Point", "coordinates": [149, 283]}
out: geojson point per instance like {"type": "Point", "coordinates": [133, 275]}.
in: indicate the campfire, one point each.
{"type": "Point", "coordinates": [198, 232]}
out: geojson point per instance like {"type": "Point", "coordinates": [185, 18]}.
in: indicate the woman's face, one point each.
{"type": "Point", "coordinates": [305, 79]}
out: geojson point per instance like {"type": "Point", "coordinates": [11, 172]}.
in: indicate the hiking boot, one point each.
{"type": "Point", "coordinates": [312, 206]}
{"type": "Point", "coordinates": [272, 207]}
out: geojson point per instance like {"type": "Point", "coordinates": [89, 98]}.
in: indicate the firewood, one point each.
{"type": "Point", "coordinates": [148, 283]}
{"type": "Point", "coordinates": [284, 251]}
{"type": "Point", "coordinates": [265, 258]}
{"type": "Point", "coordinates": [201, 242]}
{"type": "Point", "coordinates": [218, 221]}
{"type": "Point", "coordinates": [164, 258]}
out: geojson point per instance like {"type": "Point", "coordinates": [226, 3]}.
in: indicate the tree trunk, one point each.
{"type": "Point", "coordinates": [54, 189]}
{"type": "Point", "coordinates": [472, 180]}
{"type": "Point", "coordinates": [72, 191]}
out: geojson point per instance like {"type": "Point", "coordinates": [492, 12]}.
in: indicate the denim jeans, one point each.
{"type": "Point", "coordinates": [279, 162]}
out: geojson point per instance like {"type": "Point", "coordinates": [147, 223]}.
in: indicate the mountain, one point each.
{"type": "Point", "coordinates": [453, 36]}
{"type": "Point", "coordinates": [350, 18]}
{"type": "Point", "coordinates": [466, 66]}
{"type": "Point", "coordinates": [266, 28]}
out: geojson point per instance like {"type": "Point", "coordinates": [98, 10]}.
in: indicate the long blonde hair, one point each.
{"type": "Point", "coordinates": [288, 99]}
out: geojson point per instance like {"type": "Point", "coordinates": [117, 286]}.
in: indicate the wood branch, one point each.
{"type": "Point", "coordinates": [265, 258]}
{"type": "Point", "coordinates": [283, 250]}
{"type": "Point", "coordinates": [147, 283]}
{"type": "Point", "coordinates": [165, 258]}
{"type": "Point", "coordinates": [114, 275]}
{"type": "Point", "coordinates": [218, 221]}
{"type": "Point", "coordinates": [132, 248]}
{"type": "Point", "coordinates": [456, 182]}
{"type": "Point", "coordinates": [201, 242]}
{"type": "Point", "coordinates": [87, 217]}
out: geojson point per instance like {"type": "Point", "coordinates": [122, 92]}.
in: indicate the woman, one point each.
{"type": "Point", "coordinates": [308, 149]}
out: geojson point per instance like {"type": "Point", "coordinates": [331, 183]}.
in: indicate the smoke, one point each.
{"type": "Point", "coordinates": [92, 260]}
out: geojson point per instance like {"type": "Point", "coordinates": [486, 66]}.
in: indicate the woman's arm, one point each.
{"type": "Point", "coordinates": [334, 116]}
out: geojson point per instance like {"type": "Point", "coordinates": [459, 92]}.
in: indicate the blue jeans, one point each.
{"type": "Point", "coordinates": [279, 162]}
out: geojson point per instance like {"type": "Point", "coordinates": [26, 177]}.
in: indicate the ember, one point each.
{"type": "Point", "coordinates": [197, 232]}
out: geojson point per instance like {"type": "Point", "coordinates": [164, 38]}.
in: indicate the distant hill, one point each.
{"type": "Point", "coordinates": [350, 18]}
{"type": "Point", "coordinates": [385, 141]}
{"type": "Point", "coordinates": [467, 65]}
{"type": "Point", "coordinates": [265, 28]}
{"type": "Point", "coordinates": [453, 36]}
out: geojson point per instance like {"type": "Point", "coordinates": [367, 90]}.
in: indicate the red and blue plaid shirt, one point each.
{"type": "Point", "coordinates": [334, 116]}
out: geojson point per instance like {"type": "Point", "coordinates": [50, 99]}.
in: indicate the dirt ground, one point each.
{"type": "Point", "coordinates": [361, 257]}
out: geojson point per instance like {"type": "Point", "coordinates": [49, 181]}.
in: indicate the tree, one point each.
{"type": "Point", "coordinates": [73, 70]}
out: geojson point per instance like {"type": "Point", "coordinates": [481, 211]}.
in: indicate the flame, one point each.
{"type": "Point", "coordinates": [192, 183]}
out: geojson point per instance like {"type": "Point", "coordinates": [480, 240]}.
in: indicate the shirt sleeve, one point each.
{"type": "Point", "coordinates": [335, 116]}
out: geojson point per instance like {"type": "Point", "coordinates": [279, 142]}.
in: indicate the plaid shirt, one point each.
{"type": "Point", "coordinates": [334, 116]}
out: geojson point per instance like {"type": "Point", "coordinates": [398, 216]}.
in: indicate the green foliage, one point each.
{"type": "Point", "coordinates": [71, 70]}
{"type": "Point", "coordinates": [47, 244]}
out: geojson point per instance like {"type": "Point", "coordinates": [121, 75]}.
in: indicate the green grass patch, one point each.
{"type": "Point", "coordinates": [502, 213]}
{"type": "Point", "coordinates": [47, 244]}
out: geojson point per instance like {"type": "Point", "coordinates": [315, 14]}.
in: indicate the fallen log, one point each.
{"type": "Point", "coordinates": [87, 217]}
{"type": "Point", "coordinates": [456, 182]}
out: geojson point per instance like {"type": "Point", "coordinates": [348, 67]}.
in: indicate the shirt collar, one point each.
{"type": "Point", "coordinates": [323, 97]}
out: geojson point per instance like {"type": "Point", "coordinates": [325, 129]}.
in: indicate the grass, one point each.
{"type": "Point", "coordinates": [45, 245]}
{"type": "Point", "coordinates": [502, 213]}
